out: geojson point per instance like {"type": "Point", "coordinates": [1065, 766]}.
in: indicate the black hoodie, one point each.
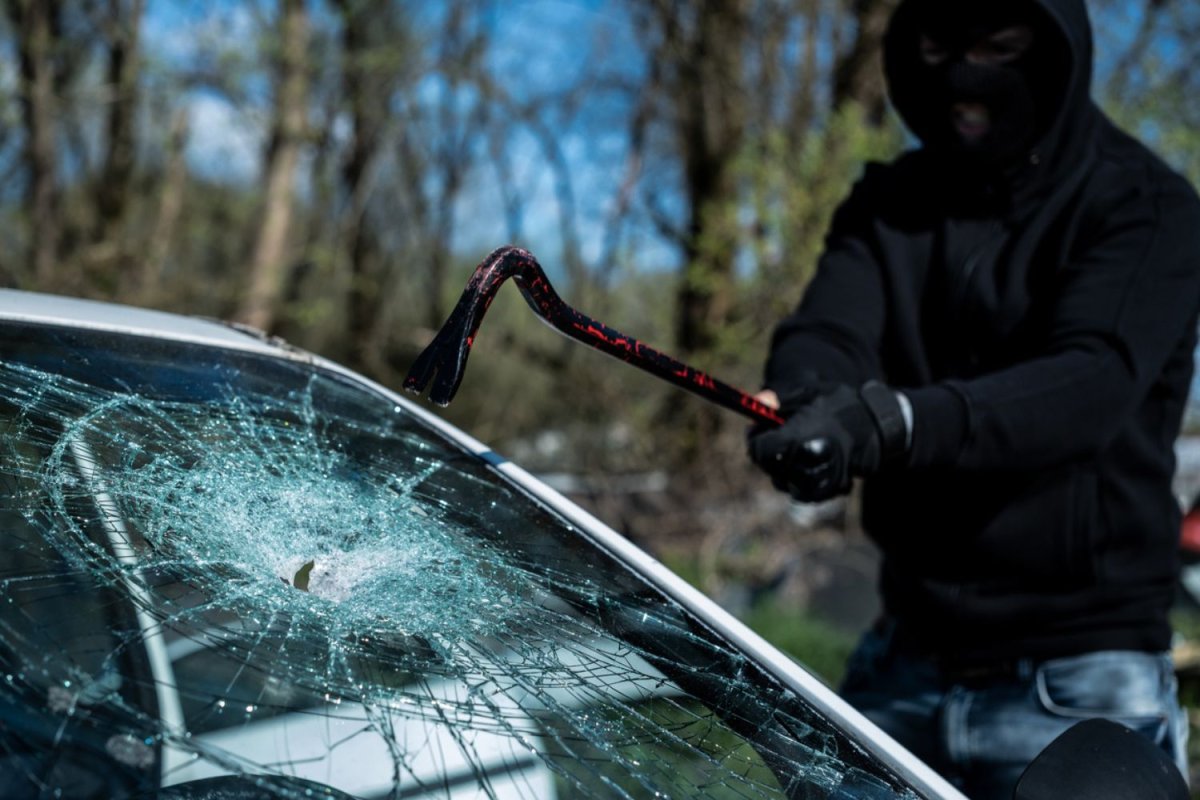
{"type": "Point", "coordinates": [1041, 318]}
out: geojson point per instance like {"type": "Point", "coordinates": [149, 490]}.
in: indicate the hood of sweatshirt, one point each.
{"type": "Point", "coordinates": [1056, 72]}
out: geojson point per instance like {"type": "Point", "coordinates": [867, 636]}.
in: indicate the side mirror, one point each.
{"type": "Point", "coordinates": [1101, 760]}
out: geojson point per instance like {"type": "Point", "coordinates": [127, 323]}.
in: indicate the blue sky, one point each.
{"type": "Point", "coordinates": [539, 46]}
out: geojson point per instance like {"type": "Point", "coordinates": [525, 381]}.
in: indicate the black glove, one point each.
{"type": "Point", "coordinates": [841, 434]}
{"type": "Point", "coordinates": [801, 390]}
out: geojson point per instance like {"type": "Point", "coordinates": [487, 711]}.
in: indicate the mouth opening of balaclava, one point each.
{"type": "Point", "coordinates": [983, 111]}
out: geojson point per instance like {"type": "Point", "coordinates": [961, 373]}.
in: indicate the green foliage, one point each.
{"type": "Point", "coordinates": [1186, 623]}
{"type": "Point", "coordinates": [819, 646]}
{"type": "Point", "coordinates": [822, 648]}
{"type": "Point", "coordinates": [1163, 117]}
{"type": "Point", "coordinates": [699, 740]}
{"type": "Point", "coordinates": [798, 180]}
{"type": "Point", "coordinates": [791, 183]}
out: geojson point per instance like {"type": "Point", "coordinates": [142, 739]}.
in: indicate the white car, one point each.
{"type": "Point", "coordinates": [229, 566]}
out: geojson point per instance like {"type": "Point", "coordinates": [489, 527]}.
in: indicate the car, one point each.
{"type": "Point", "coordinates": [229, 565]}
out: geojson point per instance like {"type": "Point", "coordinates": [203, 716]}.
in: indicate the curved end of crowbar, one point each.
{"type": "Point", "coordinates": [444, 360]}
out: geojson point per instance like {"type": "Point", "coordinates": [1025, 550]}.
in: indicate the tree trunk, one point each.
{"type": "Point", "coordinates": [170, 207]}
{"type": "Point", "coordinates": [711, 114]}
{"type": "Point", "coordinates": [116, 176]}
{"type": "Point", "coordinates": [268, 266]}
{"type": "Point", "coordinates": [36, 22]}
{"type": "Point", "coordinates": [858, 74]}
{"type": "Point", "coordinates": [366, 98]}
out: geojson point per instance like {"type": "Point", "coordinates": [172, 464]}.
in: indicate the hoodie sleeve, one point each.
{"type": "Point", "coordinates": [1125, 304]}
{"type": "Point", "coordinates": [836, 332]}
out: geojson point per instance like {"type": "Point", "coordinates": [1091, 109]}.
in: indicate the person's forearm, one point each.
{"type": "Point", "coordinates": [1037, 414]}
{"type": "Point", "coordinates": [804, 349]}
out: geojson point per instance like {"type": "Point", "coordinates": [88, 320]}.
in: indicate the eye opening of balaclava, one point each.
{"type": "Point", "coordinates": [989, 77]}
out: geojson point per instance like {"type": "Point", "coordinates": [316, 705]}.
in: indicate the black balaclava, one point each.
{"type": "Point", "coordinates": [1022, 97]}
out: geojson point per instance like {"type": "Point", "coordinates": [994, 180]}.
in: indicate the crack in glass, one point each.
{"type": "Point", "coordinates": [226, 570]}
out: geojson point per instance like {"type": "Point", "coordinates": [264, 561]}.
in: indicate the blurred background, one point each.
{"type": "Point", "coordinates": [330, 171]}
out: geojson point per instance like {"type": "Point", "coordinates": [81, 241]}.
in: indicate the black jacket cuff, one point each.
{"type": "Point", "coordinates": [941, 424]}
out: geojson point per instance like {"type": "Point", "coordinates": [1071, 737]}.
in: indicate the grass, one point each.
{"type": "Point", "coordinates": [1186, 623]}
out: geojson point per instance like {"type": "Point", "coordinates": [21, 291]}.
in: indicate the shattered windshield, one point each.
{"type": "Point", "coordinates": [222, 563]}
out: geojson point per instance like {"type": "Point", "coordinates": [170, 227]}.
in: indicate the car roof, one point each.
{"type": "Point", "coordinates": [75, 312]}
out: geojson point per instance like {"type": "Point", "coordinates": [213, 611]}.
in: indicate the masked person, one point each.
{"type": "Point", "coordinates": [999, 339]}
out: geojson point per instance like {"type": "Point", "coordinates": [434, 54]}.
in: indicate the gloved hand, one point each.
{"type": "Point", "coordinates": [800, 390]}
{"type": "Point", "coordinates": [840, 434]}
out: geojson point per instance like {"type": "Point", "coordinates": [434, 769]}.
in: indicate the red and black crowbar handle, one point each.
{"type": "Point", "coordinates": [446, 355]}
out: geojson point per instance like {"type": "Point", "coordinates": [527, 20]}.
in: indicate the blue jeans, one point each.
{"type": "Point", "coordinates": [980, 735]}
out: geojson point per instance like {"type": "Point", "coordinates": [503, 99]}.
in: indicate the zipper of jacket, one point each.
{"type": "Point", "coordinates": [971, 265]}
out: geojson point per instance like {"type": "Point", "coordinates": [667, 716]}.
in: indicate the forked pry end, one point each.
{"type": "Point", "coordinates": [445, 385]}
{"type": "Point", "coordinates": [417, 387]}
{"type": "Point", "coordinates": [443, 363]}
{"type": "Point", "coordinates": [444, 360]}
{"type": "Point", "coordinates": [419, 374]}
{"type": "Point", "coordinates": [437, 397]}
